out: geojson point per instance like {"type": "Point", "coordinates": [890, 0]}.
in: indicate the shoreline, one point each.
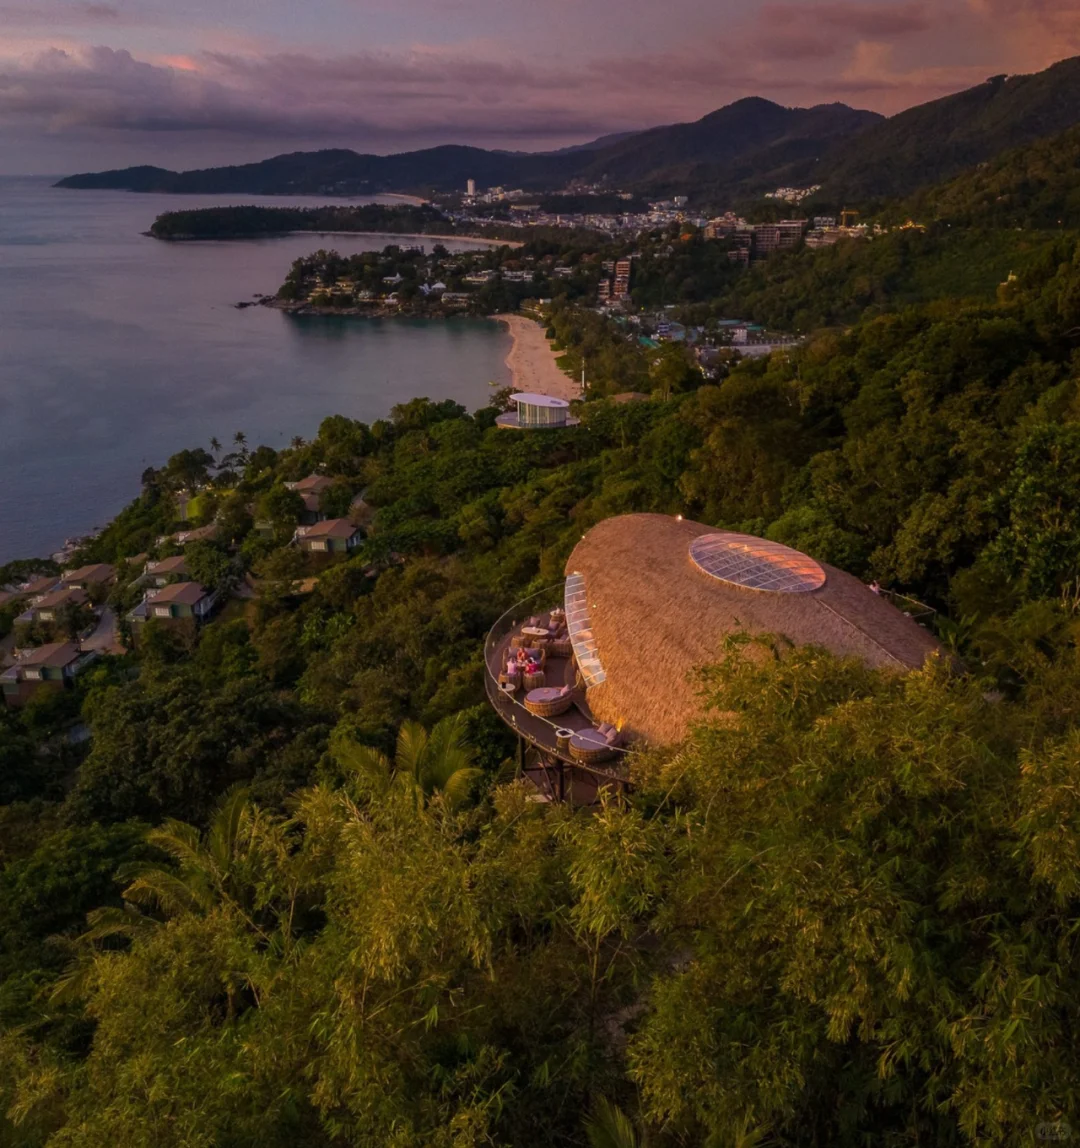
{"type": "Point", "coordinates": [391, 235]}
{"type": "Point", "coordinates": [532, 361]}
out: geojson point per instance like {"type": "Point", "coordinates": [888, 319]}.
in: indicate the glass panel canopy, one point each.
{"type": "Point", "coordinates": [581, 633]}
{"type": "Point", "coordinates": [753, 563]}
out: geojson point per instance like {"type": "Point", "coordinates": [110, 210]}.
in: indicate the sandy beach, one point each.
{"type": "Point", "coordinates": [532, 361]}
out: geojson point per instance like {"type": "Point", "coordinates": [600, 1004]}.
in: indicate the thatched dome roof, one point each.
{"type": "Point", "coordinates": [655, 614]}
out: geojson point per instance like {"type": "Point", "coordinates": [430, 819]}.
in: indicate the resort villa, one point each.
{"type": "Point", "coordinates": [47, 667]}
{"type": "Point", "coordinates": [537, 412]}
{"type": "Point", "coordinates": [168, 570]}
{"type": "Point", "coordinates": [179, 604]}
{"type": "Point", "coordinates": [332, 536]}
{"type": "Point", "coordinates": [310, 490]}
{"type": "Point", "coordinates": [48, 607]}
{"type": "Point", "coordinates": [606, 661]}
{"type": "Point", "coordinates": [99, 574]}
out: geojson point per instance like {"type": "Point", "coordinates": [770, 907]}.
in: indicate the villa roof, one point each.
{"type": "Point", "coordinates": [40, 585]}
{"type": "Point", "coordinates": [656, 614]}
{"type": "Point", "coordinates": [331, 528]}
{"type": "Point", "coordinates": [97, 572]}
{"type": "Point", "coordinates": [177, 564]}
{"type": "Point", "coordinates": [313, 484]}
{"type": "Point", "coordinates": [54, 654]}
{"type": "Point", "coordinates": [187, 593]}
{"type": "Point", "coordinates": [61, 597]}
{"type": "Point", "coordinates": [537, 400]}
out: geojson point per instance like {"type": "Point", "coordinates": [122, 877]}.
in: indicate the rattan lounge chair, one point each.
{"type": "Point", "coordinates": [590, 747]}
{"type": "Point", "coordinates": [549, 701]}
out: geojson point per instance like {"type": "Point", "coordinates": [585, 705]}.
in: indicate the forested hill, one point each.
{"type": "Point", "coordinates": [752, 140]}
{"type": "Point", "coordinates": [277, 883]}
{"type": "Point", "coordinates": [935, 141]}
{"type": "Point", "coordinates": [1037, 186]}
{"type": "Point", "coordinates": [239, 222]}
{"type": "Point", "coordinates": [741, 150]}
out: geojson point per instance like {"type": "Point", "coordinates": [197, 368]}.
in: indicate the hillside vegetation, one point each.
{"type": "Point", "coordinates": [1030, 187]}
{"type": "Point", "coordinates": [291, 892]}
{"type": "Point", "coordinates": [935, 141]}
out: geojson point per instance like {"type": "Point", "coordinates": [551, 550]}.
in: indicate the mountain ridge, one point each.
{"type": "Point", "coordinates": [710, 145]}
{"type": "Point", "coordinates": [729, 155]}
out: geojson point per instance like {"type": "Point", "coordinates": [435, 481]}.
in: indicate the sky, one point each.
{"type": "Point", "coordinates": [93, 84]}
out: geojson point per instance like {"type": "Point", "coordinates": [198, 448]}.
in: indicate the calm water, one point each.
{"type": "Point", "coordinates": [117, 350]}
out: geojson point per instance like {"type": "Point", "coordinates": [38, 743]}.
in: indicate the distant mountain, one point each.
{"type": "Point", "coordinates": [935, 141]}
{"type": "Point", "coordinates": [594, 145]}
{"type": "Point", "coordinates": [758, 139]}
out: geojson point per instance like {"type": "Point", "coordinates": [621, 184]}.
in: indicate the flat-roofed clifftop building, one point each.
{"type": "Point", "coordinates": [537, 412]}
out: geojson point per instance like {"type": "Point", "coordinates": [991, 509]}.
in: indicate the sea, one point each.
{"type": "Point", "coordinates": [117, 350]}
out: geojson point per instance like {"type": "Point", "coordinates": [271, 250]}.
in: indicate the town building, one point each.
{"type": "Point", "coordinates": [537, 412]}
{"type": "Point", "coordinates": [609, 657]}
{"type": "Point", "coordinates": [51, 667]}
{"type": "Point", "coordinates": [620, 288]}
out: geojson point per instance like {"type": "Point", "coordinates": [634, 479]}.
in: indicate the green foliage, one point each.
{"type": "Point", "coordinates": [842, 912]}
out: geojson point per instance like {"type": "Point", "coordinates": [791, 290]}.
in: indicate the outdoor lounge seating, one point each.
{"type": "Point", "coordinates": [549, 701]}
{"type": "Point", "coordinates": [591, 747]}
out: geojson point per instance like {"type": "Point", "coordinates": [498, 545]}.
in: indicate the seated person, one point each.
{"type": "Point", "coordinates": [522, 657]}
{"type": "Point", "coordinates": [512, 668]}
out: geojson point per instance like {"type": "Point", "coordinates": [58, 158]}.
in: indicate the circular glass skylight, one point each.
{"type": "Point", "coordinates": [753, 563]}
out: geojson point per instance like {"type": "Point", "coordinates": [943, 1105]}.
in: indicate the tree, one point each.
{"type": "Point", "coordinates": [210, 566]}
{"type": "Point", "coordinates": [607, 1126]}
{"type": "Point", "coordinates": [188, 470]}
{"type": "Point", "coordinates": [437, 763]}
{"type": "Point", "coordinates": [281, 507]}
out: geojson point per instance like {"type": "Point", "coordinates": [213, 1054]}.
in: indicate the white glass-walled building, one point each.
{"type": "Point", "coordinates": [537, 412]}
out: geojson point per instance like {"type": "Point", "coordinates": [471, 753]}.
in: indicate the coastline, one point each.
{"type": "Point", "coordinates": [486, 240]}
{"type": "Point", "coordinates": [532, 361]}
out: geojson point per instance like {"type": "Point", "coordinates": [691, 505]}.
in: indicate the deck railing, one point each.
{"type": "Point", "coordinates": [540, 731]}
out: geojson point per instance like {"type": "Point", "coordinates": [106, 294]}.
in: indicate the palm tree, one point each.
{"type": "Point", "coordinates": [215, 445]}
{"type": "Point", "coordinates": [222, 870]}
{"type": "Point", "coordinates": [218, 869]}
{"type": "Point", "coordinates": [439, 762]}
{"type": "Point", "coordinates": [609, 1127]}
{"type": "Point", "coordinates": [297, 442]}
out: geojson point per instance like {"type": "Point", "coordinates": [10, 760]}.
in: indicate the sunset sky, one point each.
{"type": "Point", "coordinates": [87, 84]}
